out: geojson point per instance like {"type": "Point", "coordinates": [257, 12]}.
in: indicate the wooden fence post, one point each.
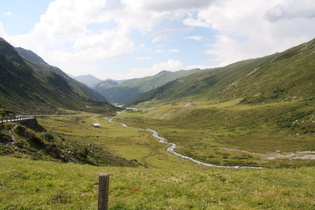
{"type": "Point", "coordinates": [103, 189]}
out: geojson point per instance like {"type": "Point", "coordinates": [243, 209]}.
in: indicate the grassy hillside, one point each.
{"type": "Point", "coordinates": [259, 112]}
{"type": "Point", "coordinates": [128, 90]}
{"type": "Point", "coordinates": [32, 140]}
{"type": "Point", "coordinates": [280, 77]}
{"type": "Point", "coordinates": [32, 87]}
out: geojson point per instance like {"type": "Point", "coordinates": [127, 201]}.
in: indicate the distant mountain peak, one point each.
{"type": "Point", "coordinates": [123, 91]}
{"type": "Point", "coordinates": [88, 79]}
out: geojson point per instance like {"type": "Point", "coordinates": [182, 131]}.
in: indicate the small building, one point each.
{"type": "Point", "coordinates": [190, 105]}
{"type": "Point", "coordinates": [96, 125]}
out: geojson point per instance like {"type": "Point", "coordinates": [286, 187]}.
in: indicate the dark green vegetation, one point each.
{"type": "Point", "coordinates": [280, 77]}
{"type": "Point", "coordinates": [29, 85]}
{"type": "Point", "coordinates": [130, 89]}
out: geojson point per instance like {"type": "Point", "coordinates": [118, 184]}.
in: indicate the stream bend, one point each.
{"type": "Point", "coordinates": [172, 146]}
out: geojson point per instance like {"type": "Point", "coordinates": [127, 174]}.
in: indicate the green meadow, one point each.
{"type": "Point", "coordinates": [27, 184]}
{"type": "Point", "coordinates": [143, 175]}
{"type": "Point", "coordinates": [230, 133]}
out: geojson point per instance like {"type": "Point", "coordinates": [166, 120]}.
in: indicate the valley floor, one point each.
{"type": "Point", "coordinates": [231, 134]}
{"type": "Point", "coordinates": [152, 178]}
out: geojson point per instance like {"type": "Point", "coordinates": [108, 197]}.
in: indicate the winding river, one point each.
{"type": "Point", "coordinates": [172, 146]}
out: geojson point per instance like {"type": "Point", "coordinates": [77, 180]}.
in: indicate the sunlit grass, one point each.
{"type": "Point", "coordinates": [29, 184]}
{"type": "Point", "coordinates": [126, 114]}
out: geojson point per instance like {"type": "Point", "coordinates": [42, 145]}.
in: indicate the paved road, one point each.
{"type": "Point", "coordinates": [18, 118]}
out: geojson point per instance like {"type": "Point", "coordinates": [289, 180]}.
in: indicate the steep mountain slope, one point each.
{"type": "Point", "coordinates": [125, 91]}
{"type": "Point", "coordinates": [279, 77]}
{"type": "Point", "coordinates": [28, 85]}
{"type": "Point", "coordinates": [34, 60]}
{"type": "Point", "coordinates": [89, 80]}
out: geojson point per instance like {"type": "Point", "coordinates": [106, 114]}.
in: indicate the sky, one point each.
{"type": "Point", "coordinates": [124, 39]}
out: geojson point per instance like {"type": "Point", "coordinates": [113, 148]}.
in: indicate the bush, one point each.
{"type": "Point", "coordinates": [47, 136]}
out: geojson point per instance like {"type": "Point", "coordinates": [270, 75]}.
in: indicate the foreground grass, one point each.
{"type": "Point", "coordinates": [29, 184]}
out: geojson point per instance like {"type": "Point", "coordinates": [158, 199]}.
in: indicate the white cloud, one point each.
{"type": "Point", "coordinates": [143, 58]}
{"type": "Point", "coordinates": [67, 20]}
{"type": "Point", "coordinates": [2, 32]}
{"type": "Point", "coordinates": [291, 10]}
{"type": "Point", "coordinates": [76, 33]}
{"type": "Point", "coordinates": [226, 50]}
{"type": "Point", "coordinates": [63, 30]}
{"type": "Point", "coordinates": [196, 38]}
{"type": "Point", "coordinates": [195, 22]}
{"type": "Point", "coordinates": [170, 65]}
{"type": "Point", "coordinates": [167, 51]}
{"type": "Point", "coordinates": [173, 51]}
{"type": "Point", "coordinates": [162, 34]}
{"type": "Point", "coordinates": [257, 29]}
{"type": "Point", "coordinates": [108, 44]}
{"type": "Point", "coordinates": [169, 5]}
{"type": "Point", "coordinates": [198, 67]}
{"type": "Point", "coordinates": [62, 34]}
{"type": "Point", "coordinates": [7, 13]}
{"type": "Point", "coordinates": [83, 69]}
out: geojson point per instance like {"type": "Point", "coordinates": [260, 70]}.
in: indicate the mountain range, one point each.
{"type": "Point", "coordinates": [30, 85]}
{"type": "Point", "coordinates": [121, 92]}
{"type": "Point", "coordinates": [279, 77]}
